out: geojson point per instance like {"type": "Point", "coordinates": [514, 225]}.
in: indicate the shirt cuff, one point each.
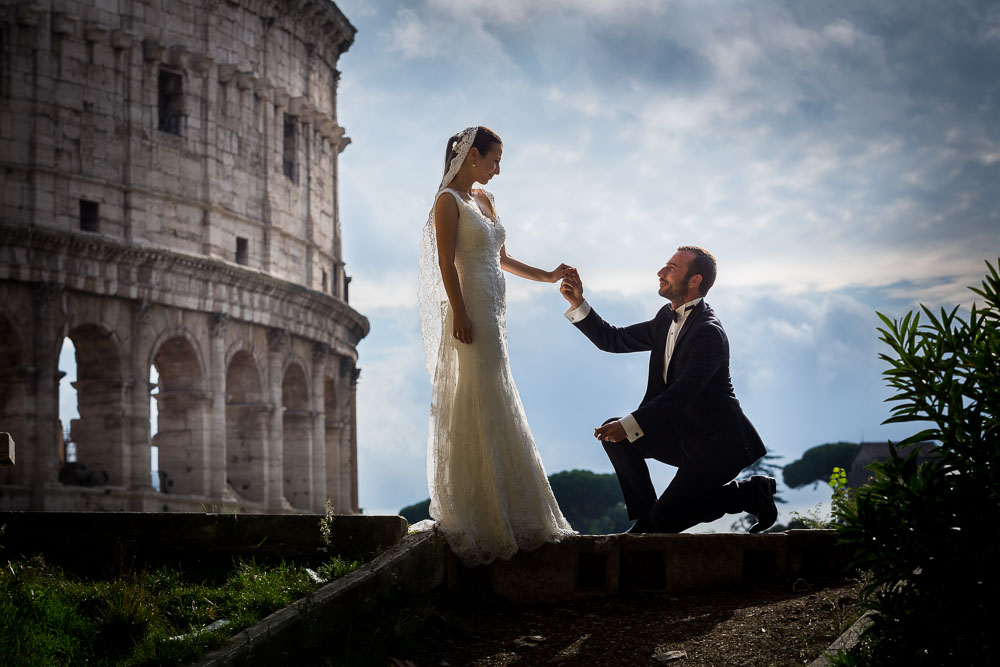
{"type": "Point", "coordinates": [574, 315]}
{"type": "Point", "coordinates": [631, 426]}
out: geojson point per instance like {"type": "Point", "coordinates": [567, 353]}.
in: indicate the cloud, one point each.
{"type": "Point", "coordinates": [838, 158]}
{"type": "Point", "coordinates": [410, 37]}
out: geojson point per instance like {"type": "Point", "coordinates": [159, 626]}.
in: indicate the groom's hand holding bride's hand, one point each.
{"type": "Point", "coordinates": [572, 288]}
{"type": "Point", "coordinates": [560, 272]}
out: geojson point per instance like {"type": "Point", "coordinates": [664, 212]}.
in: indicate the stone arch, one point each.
{"type": "Point", "coordinates": [296, 453]}
{"type": "Point", "coordinates": [295, 360]}
{"type": "Point", "coordinates": [13, 376]}
{"type": "Point", "coordinates": [99, 430]}
{"type": "Point", "coordinates": [182, 406]}
{"type": "Point", "coordinates": [246, 427]}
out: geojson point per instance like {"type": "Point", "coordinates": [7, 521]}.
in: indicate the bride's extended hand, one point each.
{"type": "Point", "coordinates": [560, 272]}
{"type": "Point", "coordinates": [462, 328]}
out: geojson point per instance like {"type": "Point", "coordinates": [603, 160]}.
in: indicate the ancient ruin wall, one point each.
{"type": "Point", "coordinates": [169, 199]}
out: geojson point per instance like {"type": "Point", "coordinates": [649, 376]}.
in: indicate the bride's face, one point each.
{"type": "Point", "coordinates": [487, 166]}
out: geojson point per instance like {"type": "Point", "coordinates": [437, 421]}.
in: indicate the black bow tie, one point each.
{"type": "Point", "coordinates": [674, 315]}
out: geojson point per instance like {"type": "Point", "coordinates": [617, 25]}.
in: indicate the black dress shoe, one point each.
{"type": "Point", "coordinates": [760, 497]}
{"type": "Point", "coordinates": [640, 526]}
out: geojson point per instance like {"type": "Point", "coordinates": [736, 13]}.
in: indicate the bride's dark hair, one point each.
{"type": "Point", "coordinates": [484, 141]}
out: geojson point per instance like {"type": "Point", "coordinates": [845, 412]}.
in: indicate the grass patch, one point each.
{"type": "Point", "coordinates": [146, 617]}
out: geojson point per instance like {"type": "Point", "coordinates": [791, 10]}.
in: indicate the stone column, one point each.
{"type": "Point", "coordinates": [273, 451]}
{"type": "Point", "coordinates": [317, 465]}
{"type": "Point", "coordinates": [137, 426]}
{"type": "Point", "coordinates": [217, 490]}
{"type": "Point", "coordinates": [202, 66]}
{"type": "Point", "coordinates": [352, 430]}
{"type": "Point", "coordinates": [44, 405]}
{"type": "Point", "coordinates": [274, 115]}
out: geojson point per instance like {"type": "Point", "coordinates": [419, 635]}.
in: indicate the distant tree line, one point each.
{"type": "Point", "coordinates": [591, 502]}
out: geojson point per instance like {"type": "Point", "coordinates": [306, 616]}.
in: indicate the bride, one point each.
{"type": "Point", "coordinates": [489, 493]}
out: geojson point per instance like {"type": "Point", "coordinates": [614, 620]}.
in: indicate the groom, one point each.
{"type": "Point", "coordinates": [689, 417]}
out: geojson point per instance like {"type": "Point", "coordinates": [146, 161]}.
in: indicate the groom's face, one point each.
{"type": "Point", "coordinates": [674, 275]}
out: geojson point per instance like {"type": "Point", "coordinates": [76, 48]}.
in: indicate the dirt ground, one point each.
{"type": "Point", "coordinates": [778, 624]}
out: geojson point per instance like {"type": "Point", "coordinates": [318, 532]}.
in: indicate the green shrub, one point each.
{"type": "Point", "coordinates": [39, 623]}
{"type": "Point", "coordinates": [926, 531]}
{"type": "Point", "coordinates": [49, 618]}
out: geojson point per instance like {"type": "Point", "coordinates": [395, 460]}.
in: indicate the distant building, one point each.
{"type": "Point", "coordinates": [169, 199]}
{"type": "Point", "coordinates": [869, 452]}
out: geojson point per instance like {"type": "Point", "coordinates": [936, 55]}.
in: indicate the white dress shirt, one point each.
{"type": "Point", "coordinates": [632, 429]}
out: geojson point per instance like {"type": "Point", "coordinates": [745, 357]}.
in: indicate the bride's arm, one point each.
{"type": "Point", "coordinates": [446, 231]}
{"type": "Point", "coordinates": [519, 268]}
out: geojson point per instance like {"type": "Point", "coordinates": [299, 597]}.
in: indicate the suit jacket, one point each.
{"type": "Point", "coordinates": [697, 405]}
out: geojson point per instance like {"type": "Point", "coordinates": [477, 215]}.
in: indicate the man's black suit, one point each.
{"type": "Point", "coordinates": [692, 421]}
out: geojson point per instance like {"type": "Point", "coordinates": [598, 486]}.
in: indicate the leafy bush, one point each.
{"type": "Point", "coordinates": [925, 531]}
{"type": "Point", "coordinates": [816, 517]}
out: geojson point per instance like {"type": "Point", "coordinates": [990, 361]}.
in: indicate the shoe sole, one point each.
{"type": "Point", "coordinates": [772, 486]}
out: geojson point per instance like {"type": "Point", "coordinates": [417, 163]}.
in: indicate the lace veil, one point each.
{"type": "Point", "coordinates": [433, 300]}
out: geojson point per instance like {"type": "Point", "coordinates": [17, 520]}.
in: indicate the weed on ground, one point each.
{"type": "Point", "coordinates": [139, 618]}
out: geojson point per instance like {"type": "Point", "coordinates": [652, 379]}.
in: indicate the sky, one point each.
{"type": "Point", "coordinates": [837, 158]}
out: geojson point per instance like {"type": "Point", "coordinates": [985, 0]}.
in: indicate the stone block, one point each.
{"type": "Point", "coordinates": [6, 450]}
{"type": "Point", "coordinates": [815, 553]}
{"type": "Point", "coordinates": [579, 566]}
{"type": "Point", "coordinates": [679, 563]}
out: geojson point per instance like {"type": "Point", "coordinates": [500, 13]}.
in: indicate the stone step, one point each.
{"type": "Point", "coordinates": [607, 565]}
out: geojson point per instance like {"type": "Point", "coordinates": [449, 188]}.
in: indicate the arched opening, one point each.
{"type": "Point", "coordinates": [93, 447]}
{"type": "Point", "coordinates": [181, 419]}
{"type": "Point", "coordinates": [296, 438]}
{"type": "Point", "coordinates": [68, 404]}
{"type": "Point", "coordinates": [154, 449]}
{"type": "Point", "coordinates": [331, 440]}
{"type": "Point", "coordinates": [12, 379]}
{"type": "Point", "coordinates": [246, 424]}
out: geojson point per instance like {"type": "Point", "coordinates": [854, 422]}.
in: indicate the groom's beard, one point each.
{"type": "Point", "coordinates": [676, 290]}
{"type": "Point", "coordinates": [671, 292]}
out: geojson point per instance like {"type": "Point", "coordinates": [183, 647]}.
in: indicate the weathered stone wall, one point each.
{"type": "Point", "coordinates": [169, 199]}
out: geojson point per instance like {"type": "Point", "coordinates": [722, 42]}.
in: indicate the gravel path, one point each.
{"type": "Point", "coordinates": [778, 624]}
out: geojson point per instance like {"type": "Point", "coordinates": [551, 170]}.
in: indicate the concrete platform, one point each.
{"type": "Point", "coordinates": [580, 567]}
{"type": "Point", "coordinates": [583, 566]}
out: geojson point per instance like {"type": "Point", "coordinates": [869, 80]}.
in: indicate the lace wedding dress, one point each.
{"type": "Point", "coordinates": [489, 492]}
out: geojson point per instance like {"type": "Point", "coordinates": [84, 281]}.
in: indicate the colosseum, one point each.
{"type": "Point", "coordinates": [169, 205]}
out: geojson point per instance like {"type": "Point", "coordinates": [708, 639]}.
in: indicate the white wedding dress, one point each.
{"type": "Point", "coordinates": [489, 492]}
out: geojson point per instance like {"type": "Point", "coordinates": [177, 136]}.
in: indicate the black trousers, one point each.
{"type": "Point", "coordinates": [695, 495]}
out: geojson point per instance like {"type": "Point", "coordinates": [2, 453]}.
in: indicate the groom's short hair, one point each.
{"type": "Point", "coordinates": [703, 265]}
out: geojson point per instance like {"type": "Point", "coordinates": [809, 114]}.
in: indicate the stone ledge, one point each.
{"type": "Point", "coordinates": [414, 565]}
{"type": "Point", "coordinates": [6, 450]}
{"type": "Point", "coordinates": [146, 272]}
{"type": "Point", "coordinates": [587, 565]}
{"type": "Point", "coordinates": [847, 642]}
{"type": "Point", "coordinates": [92, 542]}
